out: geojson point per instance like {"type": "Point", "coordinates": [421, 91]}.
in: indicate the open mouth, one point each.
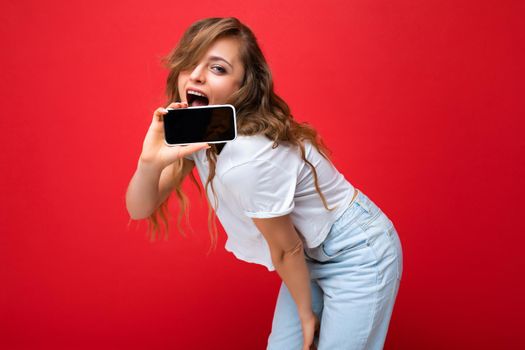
{"type": "Point", "coordinates": [196, 98]}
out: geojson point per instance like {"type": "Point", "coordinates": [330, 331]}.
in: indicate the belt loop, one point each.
{"type": "Point", "coordinates": [354, 197]}
{"type": "Point", "coordinates": [361, 201]}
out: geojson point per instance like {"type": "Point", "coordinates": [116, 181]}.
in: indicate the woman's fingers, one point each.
{"type": "Point", "coordinates": [178, 105]}
{"type": "Point", "coordinates": [189, 149]}
{"type": "Point", "coordinates": [154, 145]}
{"type": "Point", "coordinates": [159, 112]}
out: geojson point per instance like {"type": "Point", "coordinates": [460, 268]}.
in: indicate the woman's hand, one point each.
{"type": "Point", "coordinates": [310, 325]}
{"type": "Point", "coordinates": [155, 151]}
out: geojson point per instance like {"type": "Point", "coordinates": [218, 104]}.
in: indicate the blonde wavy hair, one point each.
{"type": "Point", "coordinates": [259, 109]}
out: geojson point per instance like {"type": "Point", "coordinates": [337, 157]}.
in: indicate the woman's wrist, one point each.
{"type": "Point", "coordinates": [306, 314]}
{"type": "Point", "coordinates": [149, 165]}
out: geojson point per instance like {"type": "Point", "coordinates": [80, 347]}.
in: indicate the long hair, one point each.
{"type": "Point", "coordinates": [259, 109]}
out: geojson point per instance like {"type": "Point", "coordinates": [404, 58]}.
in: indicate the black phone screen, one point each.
{"type": "Point", "coordinates": [200, 124]}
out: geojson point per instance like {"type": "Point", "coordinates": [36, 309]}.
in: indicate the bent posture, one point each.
{"type": "Point", "coordinates": [280, 199]}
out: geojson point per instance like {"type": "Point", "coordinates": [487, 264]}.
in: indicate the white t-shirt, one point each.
{"type": "Point", "coordinates": [254, 180]}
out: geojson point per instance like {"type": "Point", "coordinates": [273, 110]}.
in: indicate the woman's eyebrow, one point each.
{"type": "Point", "coordinates": [218, 58]}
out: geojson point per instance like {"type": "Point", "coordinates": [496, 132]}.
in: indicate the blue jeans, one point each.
{"type": "Point", "coordinates": [355, 275]}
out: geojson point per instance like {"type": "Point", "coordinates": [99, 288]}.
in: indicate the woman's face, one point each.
{"type": "Point", "coordinates": [215, 77]}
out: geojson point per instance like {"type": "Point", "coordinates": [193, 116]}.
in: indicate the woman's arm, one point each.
{"type": "Point", "coordinates": [166, 183]}
{"type": "Point", "coordinates": [158, 162]}
{"type": "Point", "coordinates": [150, 186]}
{"type": "Point", "coordinates": [288, 258]}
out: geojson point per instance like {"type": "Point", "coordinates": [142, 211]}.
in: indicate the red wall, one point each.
{"type": "Point", "coordinates": [421, 101]}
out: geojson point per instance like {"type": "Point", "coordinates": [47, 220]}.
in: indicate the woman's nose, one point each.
{"type": "Point", "coordinates": [197, 74]}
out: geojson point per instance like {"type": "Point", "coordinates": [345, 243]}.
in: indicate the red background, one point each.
{"type": "Point", "coordinates": [421, 102]}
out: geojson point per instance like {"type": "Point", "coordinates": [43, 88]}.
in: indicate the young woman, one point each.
{"type": "Point", "coordinates": [281, 201]}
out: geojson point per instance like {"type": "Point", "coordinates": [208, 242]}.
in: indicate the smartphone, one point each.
{"type": "Point", "coordinates": [211, 124]}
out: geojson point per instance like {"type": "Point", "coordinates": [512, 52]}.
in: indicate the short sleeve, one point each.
{"type": "Point", "coordinates": [262, 189]}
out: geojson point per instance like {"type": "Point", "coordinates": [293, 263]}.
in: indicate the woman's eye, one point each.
{"type": "Point", "coordinates": [219, 69]}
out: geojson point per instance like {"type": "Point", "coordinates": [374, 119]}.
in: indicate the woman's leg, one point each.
{"type": "Point", "coordinates": [356, 319]}
{"type": "Point", "coordinates": [286, 331]}
{"type": "Point", "coordinates": [359, 271]}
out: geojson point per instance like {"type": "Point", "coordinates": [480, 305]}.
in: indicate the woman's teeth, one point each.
{"type": "Point", "coordinates": [195, 93]}
{"type": "Point", "coordinates": [196, 98]}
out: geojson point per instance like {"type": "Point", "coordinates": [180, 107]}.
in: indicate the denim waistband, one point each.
{"type": "Point", "coordinates": [342, 224]}
{"type": "Point", "coordinates": [363, 201]}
